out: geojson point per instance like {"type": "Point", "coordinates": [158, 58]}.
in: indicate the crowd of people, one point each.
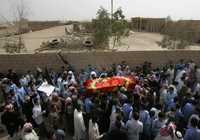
{"type": "Point", "coordinates": [163, 105]}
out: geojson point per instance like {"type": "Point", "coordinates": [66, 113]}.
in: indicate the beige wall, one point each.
{"type": "Point", "coordinates": [24, 62]}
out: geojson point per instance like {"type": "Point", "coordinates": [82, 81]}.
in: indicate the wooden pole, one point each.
{"type": "Point", "coordinates": [111, 17]}
{"type": "Point", "coordinates": [111, 9]}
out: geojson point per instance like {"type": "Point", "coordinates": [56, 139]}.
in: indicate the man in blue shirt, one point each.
{"type": "Point", "coordinates": [171, 94]}
{"type": "Point", "coordinates": [193, 133]}
{"type": "Point", "coordinates": [88, 108]}
{"type": "Point", "coordinates": [144, 117]}
{"type": "Point", "coordinates": [187, 110]}
{"type": "Point", "coordinates": [20, 94]}
{"type": "Point", "coordinates": [88, 105]}
{"type": "Point", "coordinates": [127, 109]}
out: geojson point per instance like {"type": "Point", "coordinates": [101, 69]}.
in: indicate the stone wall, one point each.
{"type": "Point", "coordinates": [23, 62]}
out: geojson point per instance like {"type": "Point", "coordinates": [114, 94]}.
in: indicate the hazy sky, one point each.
{"type": "Point", "coordinates": [86, 9]}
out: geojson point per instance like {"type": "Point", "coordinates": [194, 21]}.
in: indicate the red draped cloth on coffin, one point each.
{"type": "Point", "coordinates": [109, 84]}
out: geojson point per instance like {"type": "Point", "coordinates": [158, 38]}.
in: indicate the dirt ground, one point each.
{"type": "Point", "coordinates": [135, 42]}
{"type": "Point", "coordinates": [140, 41]}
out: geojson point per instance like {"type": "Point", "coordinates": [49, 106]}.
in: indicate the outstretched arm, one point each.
{"type": "Point", "coordinates": [62, 58]}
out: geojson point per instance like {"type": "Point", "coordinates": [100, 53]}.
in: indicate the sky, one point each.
{"type": "Point", "coordinates": [86, 9]}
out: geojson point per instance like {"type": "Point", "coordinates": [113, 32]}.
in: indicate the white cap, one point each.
{"type": "Point", "coordinates": [65, 83]}
{"type": "Point", "coordinates": [68, 100]}
{"type": "Point", "coordinates": [178, 135]}
{"type": "Point", "coordinates": [93, 73]}
{"type": "Point", "coordinates": [54, 94]}
{"type": "Point", "coordinates": [4, 79]}
{"type": "Point", "coordinates": [70, 72]}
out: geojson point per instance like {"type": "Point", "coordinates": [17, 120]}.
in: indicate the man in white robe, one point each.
{"type": "Point", "coordinates": [79, 126]}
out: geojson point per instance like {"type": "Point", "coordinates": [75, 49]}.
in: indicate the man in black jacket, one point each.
{"type": "Point", "coordinates": [117, 133]}
{"type": "Point", "coordinates": [11, 119]}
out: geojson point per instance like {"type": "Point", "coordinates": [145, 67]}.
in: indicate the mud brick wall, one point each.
{"type": "Point", "coordinates": [23, 62]}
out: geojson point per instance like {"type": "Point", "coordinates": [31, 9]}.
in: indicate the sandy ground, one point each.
{"type": "Point", "coordinates": [137, 41]}
{"type": "Point", "coordinates": [140, 41]}
{"type": "Point", "coordinates": [33, 40]}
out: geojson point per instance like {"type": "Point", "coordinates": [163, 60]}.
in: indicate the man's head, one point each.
{"type": "Point", "coordinates": [28, 127]}
{"type": "Point", "coordinates": [94, 118]}
{"type": "Point", "coordinates": [136, 116]}
{"type": "Point", "coordinates": [36, 101]}
{"type": "Point", "coordinates": [171, 89]}
{"type": "Point", "coordinates": [119, 118]}
{"type": "Point", "coordinates": [78, 107]}
{"type": "Point", "coordinates": [18, 84]}
{"type": "Point", "coordinates": [178, 106]}
{"type": "Point", "coordinates": [118, 110]}
{"type": "Point", "coordinates": [118, 124]}
{"type": "Point", "coordinates": [194, 122]}
{"type": "Point", "coordinates": [10, 70]}
{"type": "Point", "coordinates": [93, 74]}
{"type": "Point", "coordinates": [9, 108]}
{"type": "Point", "coordinates": [27, 98]}
{"type": "Point", "coordinates": [161, 115]}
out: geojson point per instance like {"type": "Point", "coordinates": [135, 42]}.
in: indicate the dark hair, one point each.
{"type": "Point", "coordinates": [78, 107]}
{"type": "Point", "coordinates": [178, 106]}
{"type": "Point", "coordinates": [172, 109]}
{"type": "Point", "coordinates": [119, 118]}
{"type": "Point", "coordinates": [142, 107]}
{"type": "Point", "coordinates": [55, 127]}
{"type": "Point", "coordinates": [35, 101]}
{"type": "Point", "coordinates": [128, 101]}
{"type": "Point", "coordinates": [152, 113]}
{"type": "Point", "coordinates": [94, 118]}
{"type": "Point", "coordinates": [161, 115]}
{"type": "Point", "coordinates": [171, 88]}
{"type": "Point", "coordinates": [158, 106]}
{"type": "Point", "coordinates": [118, 124]}
{"type": "Point", "coordinates": [118, 110]}
{"type": "Point", "coordinates": [175, 99]}
{"type": "Point", "coordinates": [194, 122]}
{"type": "Point", "coordinates": [136, 115]}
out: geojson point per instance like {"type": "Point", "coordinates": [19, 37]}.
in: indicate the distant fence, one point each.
{"type": "Point", "coordinates": [23, 62]}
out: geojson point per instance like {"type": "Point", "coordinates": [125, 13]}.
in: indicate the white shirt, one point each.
{"type": "Point", "coordinates": [113, 117]}
{"type": "Point", "coordinates": [30, 136]}
{"type": "Point", "coordinates": [171, 75]}
{"type": "Point", "coordinates": [197, 89]}
{"type": "Point", "coordinates": [163, 94]}
{"type": "Point", "coordinates": [179, 75]}
{"type": "Point", "coordinates": [37, 114]}
{"type": "Point", "coordinates": [79, 126]}
{"type": "Point", "coordinates": [93, 131]}
{"type": "Point", "coordinates": [180, 85]}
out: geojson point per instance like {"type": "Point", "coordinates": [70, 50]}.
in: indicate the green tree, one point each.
{"type": "Point", "coordinates": [104, 27]}
{"type": "Point", "coordinates": [101, 26]}
{"type": "Point", "coordinates": [119, 27]}
{"type": "Point", "coordinates": [170, 43]}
